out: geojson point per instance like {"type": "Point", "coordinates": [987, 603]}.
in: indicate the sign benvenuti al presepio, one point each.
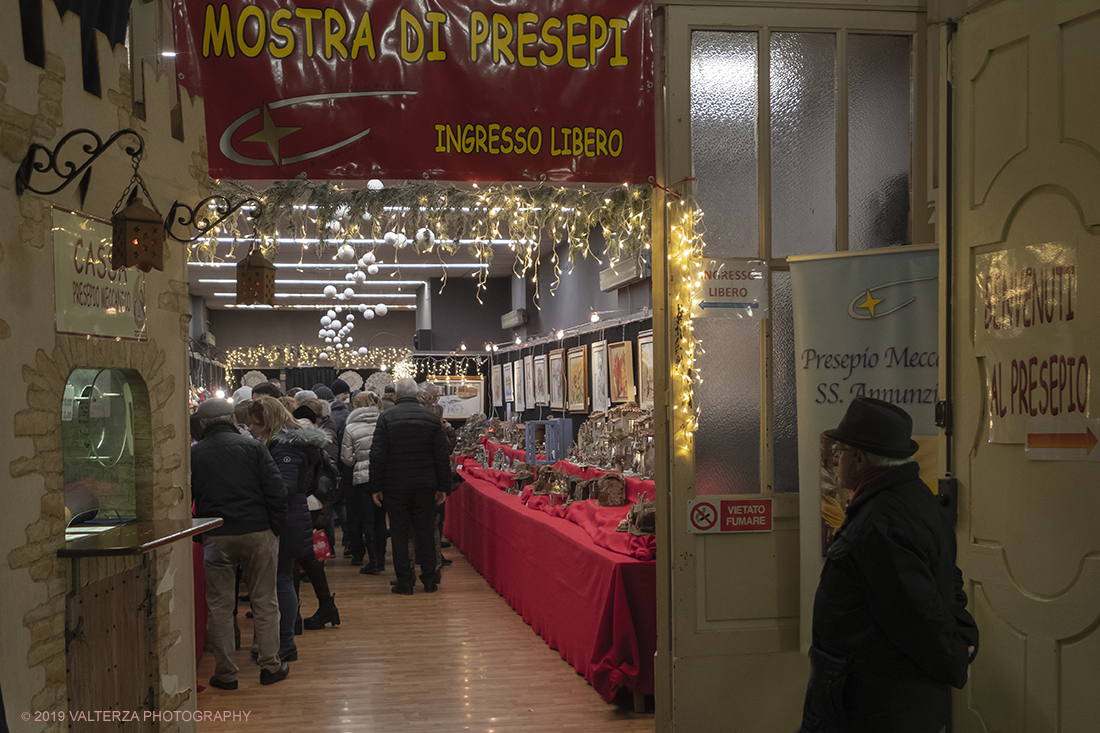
{"type": "Point", "coordinates": [1034, 345]}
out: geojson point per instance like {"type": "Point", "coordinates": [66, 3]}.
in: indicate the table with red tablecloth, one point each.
{"type": "Point", "coordinates": [514, 454]}
{"type": "Point", "coordinates": [596, 606]}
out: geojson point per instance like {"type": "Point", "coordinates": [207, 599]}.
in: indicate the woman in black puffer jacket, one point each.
{"type": "Point", "coordinates": [297, 451]}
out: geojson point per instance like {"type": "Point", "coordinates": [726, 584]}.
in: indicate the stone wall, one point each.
{"type": "Point", "coordinates": [40, 105]}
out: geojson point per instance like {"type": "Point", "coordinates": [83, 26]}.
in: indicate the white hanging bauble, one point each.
{"type": "Point", "coordinates": [359, 276]}
{"type": "Point", "coordinates": [325, 320]}
{"type": "Point", "coordinates": [402, 240]}
{"type": "Point", "coordinates": [362, 307]}
{"type": "Point", "coordinates": [390, 238]}
{"type": "Point", "coordinates": [373, 269]}
{"type": "Point", "coordinates": [350, 317]}
{"type": "Point", "coordinates": [339, 309]}
{"type": "Point", "coordinates": [381, 309]}
{"type": "Point", "coordinates": [368, 257]}
{"type": "Point", "coordinates": [334, 226]}
{"type": "Point", "coordinates": [425, 237]}
{"type": "Point", "coordinates": [348, 292]}
{"type": "Point", "coordinates": [349, 339]}
{"type": "Point", "coordinates": [328, 340]}
{"type": "Point", "coordinates": [341, 296]}
{"type": "Point", "coordinates": [362, 351]}
{"type": "Point", "coordinates": [331, 314]}
{"type": "Point", "coordinates": [346, 253]}
{"type": "Point", "coordinates": [349, 276]}
{"type": "Point", "coordinates": [368, 314]}
{"type": "Point", "coordinates": [330, 291]}
{"type": "Point", "coordinates": [323, 355]}
{"type": "Point", "coordinates": [375, 185]}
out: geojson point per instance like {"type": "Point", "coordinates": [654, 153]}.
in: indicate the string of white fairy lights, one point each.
{"type": "Point", "coordinates": [444, 219]}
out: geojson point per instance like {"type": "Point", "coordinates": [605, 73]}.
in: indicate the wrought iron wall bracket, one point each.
{"type": "Point", "coordinates": [207, 215]}
{"type": "Point", "coordinates": [66, 167]}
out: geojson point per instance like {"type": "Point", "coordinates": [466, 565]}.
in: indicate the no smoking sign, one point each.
{"type": "Point", "coordinates": [706, 516]}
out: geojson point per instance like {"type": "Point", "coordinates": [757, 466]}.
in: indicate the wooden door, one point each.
{"type": "Point", "coordinates": [110, 657]}
{"type": "Point", "coordinates": [1026, 205]}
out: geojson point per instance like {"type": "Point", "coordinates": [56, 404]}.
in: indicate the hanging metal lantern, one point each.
{"type": "Point", "coordinates": [138, 238]}
{"type": "Point", "coordinates": [255, 279]}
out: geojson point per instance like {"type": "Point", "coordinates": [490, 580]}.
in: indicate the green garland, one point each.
{"type": "Point", "coordinates": [301, 208]}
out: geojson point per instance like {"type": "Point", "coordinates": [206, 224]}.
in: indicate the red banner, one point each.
{"type": "Point", "coordinates": [555, 90]}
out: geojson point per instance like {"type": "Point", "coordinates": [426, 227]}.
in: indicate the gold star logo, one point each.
{"type": "Point", "coordinates": [271, 134]}
{"type": "Point", "coordinates": [870, 303]}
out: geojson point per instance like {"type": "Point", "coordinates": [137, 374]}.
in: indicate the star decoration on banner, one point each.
{"type": "Point", "coordinates": [870, 303]}
{"type": "Point", "coordinates": [271, 134]}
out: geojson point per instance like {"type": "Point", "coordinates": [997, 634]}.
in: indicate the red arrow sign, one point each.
{"type": "Point", "coordinates": [1085, 440]}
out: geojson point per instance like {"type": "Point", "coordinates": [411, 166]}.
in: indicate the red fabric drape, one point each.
{"type": "Point", "coordinates": [596, 607]}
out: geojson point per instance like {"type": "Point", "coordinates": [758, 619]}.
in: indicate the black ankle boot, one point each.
{"type": "Point", "coordinates": [326, 614]}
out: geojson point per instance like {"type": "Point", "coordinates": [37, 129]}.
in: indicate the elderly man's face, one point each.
{"type": "Point", "coordinates": [850, 463]}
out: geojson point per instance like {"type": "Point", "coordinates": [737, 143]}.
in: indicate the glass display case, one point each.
{"type": "Point", "coordinates": [98, 447]}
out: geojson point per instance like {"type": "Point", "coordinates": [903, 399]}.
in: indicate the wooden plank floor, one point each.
{"type": "Point", "coordinates": [457, 660]}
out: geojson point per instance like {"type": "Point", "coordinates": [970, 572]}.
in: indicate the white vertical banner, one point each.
{"type": "Point", "coordinates": [865, 325]}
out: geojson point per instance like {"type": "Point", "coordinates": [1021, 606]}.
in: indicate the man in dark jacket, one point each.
{"type": "Point", "coordinates": [341, 396]}
{"type": "Point", "coordinates": [410, 468]}
{"type": "Point", "coordinates": [234, 477]}
{"type": "Point", "coordinates": [891, 633]}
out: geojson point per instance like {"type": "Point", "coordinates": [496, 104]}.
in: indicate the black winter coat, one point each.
{"type": "Point", "coordinates": [297, 451]}
{"type": "Point", "coordinates": [409, 451]}
{"type": "Point", "coordinates": [234, 477]}
{"type": "Point", "coordinates": [340, 412]}
{"type": "Point", "coordinates": [892, 601]}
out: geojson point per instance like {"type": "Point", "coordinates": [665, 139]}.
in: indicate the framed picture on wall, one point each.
{"type": "Point", "coordinates": [520, 390]}
{"type": "Point", "coordinates": [529, 381]}
{"type": "Point", "coordinates": [556, 381]}
{"type": "Point", "coordinates": [496, 386]}
{"type": "Point", "coordinates": [645, 369]}
{"type": "Point", "coordinates": [601, 395]}
{"type": "Point", "coordinates": [509, 383]}
{"type": "Point", "coordinates": [542, 380]}
{"type": "Point", "coordinates": [621, 361]}
{"type": "Point", "coordinates": [460, 397]}
{"type": "Point", "coordinates": [577, 372]}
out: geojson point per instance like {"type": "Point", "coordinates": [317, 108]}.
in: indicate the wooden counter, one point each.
{"type": "Point", "coordinates": [136, 538]}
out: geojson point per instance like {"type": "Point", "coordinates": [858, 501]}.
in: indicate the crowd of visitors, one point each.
{"type": "Point", "coordinates": [282, 471]}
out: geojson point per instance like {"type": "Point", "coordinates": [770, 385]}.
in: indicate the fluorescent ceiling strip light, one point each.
{"type": "Point", "coordinates": [338, 240]}
{"type": "Point", "coordinates": [357, 296]}
{"type": "Point", "coordinates": [322, 266]}
{"type": "Point", "coordinates": [373, 283]}
{"type": "Point", "coordinates": [324, 307]}
{"type": "Point", "coordinates": [495, 209]}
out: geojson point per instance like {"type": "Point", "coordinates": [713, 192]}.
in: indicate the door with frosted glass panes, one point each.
{"type": "Point", "coordinates": [800, 130]}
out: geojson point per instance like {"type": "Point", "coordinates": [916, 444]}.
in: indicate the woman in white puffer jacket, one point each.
{"type": "Point", "coordinates": [366, 522]}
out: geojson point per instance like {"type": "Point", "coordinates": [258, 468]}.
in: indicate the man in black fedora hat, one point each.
{"type": "Point", "coordinates": [891, 633]}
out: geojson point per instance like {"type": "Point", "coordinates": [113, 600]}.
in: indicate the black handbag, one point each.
{"type": "Point", "coordinates": [327, 489]}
